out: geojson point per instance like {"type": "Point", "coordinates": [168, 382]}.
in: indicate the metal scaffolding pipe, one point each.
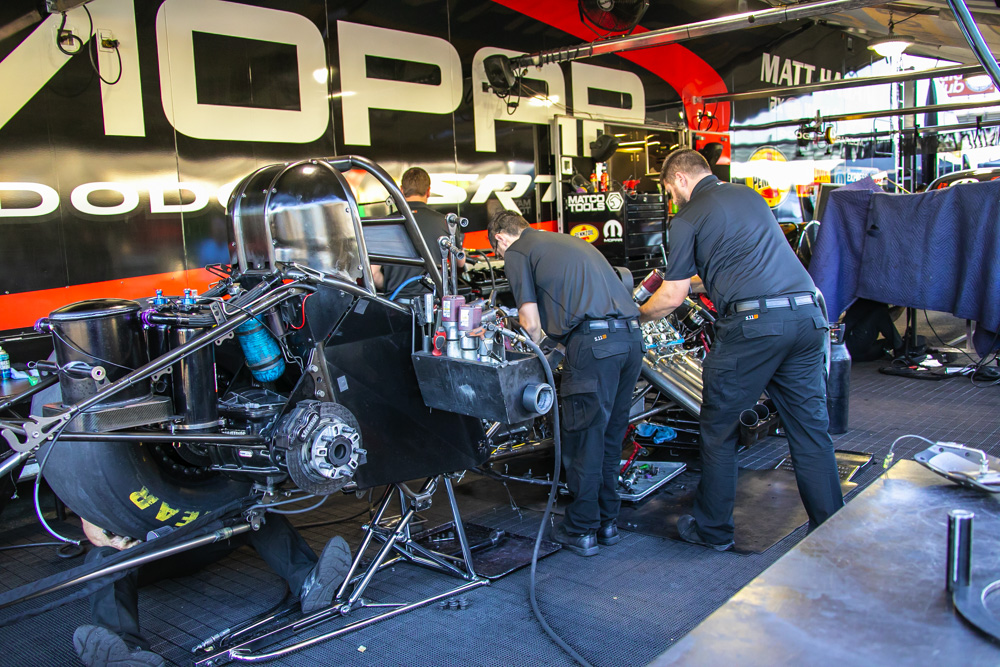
{"type": "Point", "coordinates": [975, 38]}
{"type": "Point", "coordinates": [855, 82]}
{"type": "Point", "coordinates": [863, 115]}
{"type": "Point", "coordinates": [692, 31]}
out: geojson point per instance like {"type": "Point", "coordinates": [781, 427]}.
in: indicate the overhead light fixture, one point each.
{"type": "Point", "coordinates": [892, 45]}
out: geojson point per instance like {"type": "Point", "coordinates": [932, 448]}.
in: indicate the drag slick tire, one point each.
{"type": "Point", "coordinates": [131, 488]}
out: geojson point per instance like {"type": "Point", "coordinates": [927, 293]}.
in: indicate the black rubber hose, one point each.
{"type": "Point", "coordinates": [557, 445]}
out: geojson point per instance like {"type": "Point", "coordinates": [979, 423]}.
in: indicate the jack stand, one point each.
{"type": "Point", "coordinates": [245, 643]}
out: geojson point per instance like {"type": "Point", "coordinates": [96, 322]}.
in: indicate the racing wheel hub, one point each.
{"type": "Point", "coordinates": [322, 443]}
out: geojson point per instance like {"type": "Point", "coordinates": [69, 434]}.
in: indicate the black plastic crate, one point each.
{"type": "Point", "coordinates": [479, 389]}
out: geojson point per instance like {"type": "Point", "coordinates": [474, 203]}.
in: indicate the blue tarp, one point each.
{"type": "Point", "coordinates": [936, 250]}
{"type": "Point", "coordinates": [836, 258]}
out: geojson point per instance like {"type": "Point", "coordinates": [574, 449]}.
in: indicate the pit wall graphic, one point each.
{"type": "Point", "coordinates": [784, 164]}
{"type": "Point", "coordinates": [115, 169]}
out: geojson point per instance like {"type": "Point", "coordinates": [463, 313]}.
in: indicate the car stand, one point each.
{"type": "Point", "coordinates": [253, 641]}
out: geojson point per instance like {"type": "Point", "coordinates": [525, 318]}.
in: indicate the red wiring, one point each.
{"type": "Point", "coordinates": [303, 312]}
{"type": "Point", "coordinates": [704, 342]}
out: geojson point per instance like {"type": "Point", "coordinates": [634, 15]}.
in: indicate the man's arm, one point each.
{"type": "Point", "coordinates": [530, 320]}
{"type": "Point", "coordinates": [665, 300]}
{"type": "Point", "coordinates": [378, 276]}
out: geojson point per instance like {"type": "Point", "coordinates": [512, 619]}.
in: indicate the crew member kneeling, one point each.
{"type": "Point", "coordinates": [771, 334]}
{"type": "Point", "coordinates": [564, 285]}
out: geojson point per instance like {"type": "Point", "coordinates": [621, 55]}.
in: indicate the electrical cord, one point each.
{"type": "Point", "coordinates": [71, 36]}
{"type": "Point", "coordinates": [557, 450]}
{"type": "Point", "coordinates": [73, 39]}
{"type": "Point", "coordinates": [320, 524]}
{"type": "Point", "coordinates": [300, 511]}
{"type": "Point", "coordinates": [38, 482]}
{"type": "Point", "coordinates": [67, 341]}
{"type": "Point", "coordinates": [889, 457]}
{"type": "Point", "coordinates": [411, 279]}
{"type": "Point", "coordinates": [977, 365]}
{"type": "Point", "coordinates": [90, 53]}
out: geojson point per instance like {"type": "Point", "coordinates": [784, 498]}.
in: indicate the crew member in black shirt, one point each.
{"type": "Point", "coordinates": [416, 187]}
{"type": "Point", "coordinates": [564, 286]}
{"type": "Point", "coordinates": [771, 335]}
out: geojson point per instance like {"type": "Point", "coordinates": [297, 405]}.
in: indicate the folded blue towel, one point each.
{"type": "Point", "coordinates": [659, 433]}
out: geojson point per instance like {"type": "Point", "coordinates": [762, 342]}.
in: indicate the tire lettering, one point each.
{"type": "Point", "coordinates": [165, 512]}
{"type": "Point", "coordinates": [187, 518]}
{"type": "Point", "coordinates": [143, 498]}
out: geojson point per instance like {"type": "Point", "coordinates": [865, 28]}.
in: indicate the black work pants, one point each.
{"type": "Point", "coordinates": [116, 606]}
{"type": "Point", "coordinates": [781, 350]}
{"type": "Point", "coordinates": [599, 376]}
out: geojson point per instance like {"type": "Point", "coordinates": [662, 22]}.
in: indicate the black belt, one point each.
{"type": "Point", "coordinates": [774, 302]}
{"type": "Point", "coordinates": [607, 325]}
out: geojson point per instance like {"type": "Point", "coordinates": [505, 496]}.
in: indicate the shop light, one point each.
{"type": "Point", "coordinates": [892, 45]}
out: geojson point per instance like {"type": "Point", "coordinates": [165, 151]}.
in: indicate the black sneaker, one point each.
{"type": "Point", "coordinates": [99, 647]}
{"type": "Point", "coordinates": [688, 530]}
{"type": "Point", "coordinates": [581, 545]}
{"type": "Point", "coordinates": [608, 534]}
{"type": "Point", "coordinates": [328, 573]}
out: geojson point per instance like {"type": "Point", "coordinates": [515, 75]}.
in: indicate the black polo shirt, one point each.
{"type": "Point", "coordinates": [728, 236]}
{"type": "Point", "coordinates": [433, 225]}
{"type": "Point", "coordinates": [569, 280]}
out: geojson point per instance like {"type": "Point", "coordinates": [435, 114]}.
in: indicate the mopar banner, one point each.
{"type": "Point", "coordinates": [124, 125]}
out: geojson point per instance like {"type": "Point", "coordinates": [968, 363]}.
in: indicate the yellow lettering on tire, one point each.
{"type": "Point", "coordinates": [165, 512]}
{"type": "Point", "coordinates": [143, 498]}
{"type": "Point", "coordinates": [188, 517]}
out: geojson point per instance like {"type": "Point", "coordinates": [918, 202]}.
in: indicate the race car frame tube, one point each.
{"type": "Point", "coordinates": [38, 429]}
{"type": "Point", "coordinates": [187, 545]}
{"type": "Point", "coordinates": [975, 38]}
{"type": "Point", "coordinates": [348, 162]}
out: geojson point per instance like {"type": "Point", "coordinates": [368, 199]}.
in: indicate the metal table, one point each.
{"type": "Point", "coordinates": [866, 587]}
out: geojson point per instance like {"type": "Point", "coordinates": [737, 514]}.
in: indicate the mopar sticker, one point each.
{"type": "Point", "coordinates": [612, 231]}
{"type": "Point", "coordinates": [586, 232]}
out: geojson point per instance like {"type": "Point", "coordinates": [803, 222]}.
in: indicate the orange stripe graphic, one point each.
{"type": "Point", "coordinates": [22, 310]}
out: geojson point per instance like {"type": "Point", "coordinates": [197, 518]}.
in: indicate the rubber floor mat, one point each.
{"type": "Point", "coordinates": [509, 553]}
{"type": "Point", "coordinates": [768, 508]}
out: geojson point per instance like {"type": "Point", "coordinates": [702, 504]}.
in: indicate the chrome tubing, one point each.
{"type": "Point", "coordinates": [667, 380]}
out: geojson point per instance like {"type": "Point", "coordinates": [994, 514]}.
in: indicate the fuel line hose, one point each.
{"type": "Point", "coordinates": [557, 442]}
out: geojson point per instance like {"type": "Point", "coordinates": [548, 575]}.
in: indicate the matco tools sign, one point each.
{"type": "Point", "coordinates": [595, 203]}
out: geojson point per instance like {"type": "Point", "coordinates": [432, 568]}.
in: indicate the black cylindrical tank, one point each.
{"type": "Point", "coordinates": [193, 381]}
{"type": "Point", "coordinates": [838, 384]}
{"type": "Point", "coordinates": [99, 332]}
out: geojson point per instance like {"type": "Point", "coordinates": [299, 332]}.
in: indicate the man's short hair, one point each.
{"type": "Point", "coordinates": [508, 222]}
{"type": "Point", "coordinates": [684, 160]}
{"type": "Point", "coordinates": [415, 182]}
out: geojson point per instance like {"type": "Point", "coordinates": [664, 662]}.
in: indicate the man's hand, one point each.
{"type": "Point", "coordinates": [378, 276]}
{"type": "Point", "coordinates": [665, 300]}
{"type": "Point", "coordinates": [101, 538]}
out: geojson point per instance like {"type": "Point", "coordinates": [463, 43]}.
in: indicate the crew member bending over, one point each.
{"type": "Point", "coordinates": [771, 334]}
{"type": "Point", "coordinates": [563, 285]}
